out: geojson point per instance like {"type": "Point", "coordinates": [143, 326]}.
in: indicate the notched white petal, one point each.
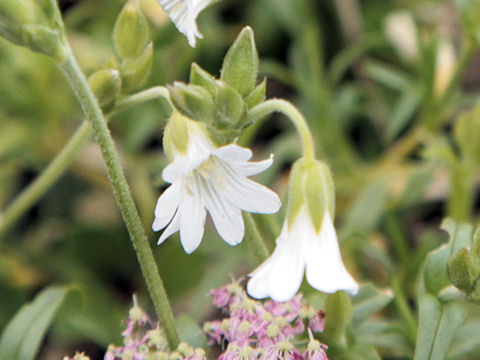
{"type": "Point", "coordinates": [253, 167]}
{"type": "Point", "coordinates": [192, 220]}
{"type": "Point", "coordinates": [166, 207]}
{"type": "Point", "coordinates": [172, 228]}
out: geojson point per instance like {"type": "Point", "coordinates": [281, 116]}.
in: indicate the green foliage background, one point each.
{"type": "Point", "coordinates": [400, 159]}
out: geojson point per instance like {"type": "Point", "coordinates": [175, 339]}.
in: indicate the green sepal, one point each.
{"type": "Point", "coordinates": [202, 78]}
{"type": "Point", "coordinates": [240, 65]}
{"type": "Point", "coordinates": [319, 192]}
{"type": "Point", "coordinates": [106, 85]}
{"type": "Point", "coordinates": [135, 71]}
{"type": "Point", "coordinates": [258, 94]}
{"type": "Point", "coordinates": [44, 40]}
{"type": "Point", "coordinates": [193, 101]}
{"type": "Point", "coordinates": [296, 190]}
{"type": "Point", "coordinates": [222, 137]}
{"type": "Point", "coordinates": [175, 135]}
{"type": "Point", "coordinates": [463, 270]}
{"type": "Point", "coordinates": [338, 308]}
{"type": "Point", "coordinates": [229, 107]}
{"type": "Point", "coordinates": [111, 63]}
{"type": "Point", "coordinates": [131, 34]}
{"type": "Point", "coordinates": [15, 13]}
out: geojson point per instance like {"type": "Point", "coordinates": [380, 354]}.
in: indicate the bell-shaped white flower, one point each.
{"type": "Point", "coordinates": [184, 14]}
{"type": "Point", "coordinates": [300, 248]}
{"type": "Point", "coordinates": [214, 179]}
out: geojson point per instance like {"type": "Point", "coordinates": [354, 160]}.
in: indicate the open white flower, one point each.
{"type": "Point", "coordinates": [300, 248]}
{"type": "Point", "coordinates": [184, 15]}
{"type": "Point", "coordinates": [207, 178]}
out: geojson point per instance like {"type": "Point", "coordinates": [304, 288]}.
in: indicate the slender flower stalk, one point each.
{"type": "Point", "coordinates": [28, 197]}
{"type": "Point", "coordinates": [124, 198]}
{"type": "Point", "coordinates": [57, 167]}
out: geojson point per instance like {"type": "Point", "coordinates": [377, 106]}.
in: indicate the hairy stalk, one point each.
{"type": "Point", "coordinates": [123, 196]}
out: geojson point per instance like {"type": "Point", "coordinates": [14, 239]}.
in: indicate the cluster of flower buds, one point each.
{"type": "Point", "coordinates": [221, 105]}
{"type": "Point", "coordinates": [254, 330]}
{"type": "Point", "coordinates": [36, 24]}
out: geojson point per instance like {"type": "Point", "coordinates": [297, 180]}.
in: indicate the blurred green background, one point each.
{"type": "Point", "coordinates": [384, 85]}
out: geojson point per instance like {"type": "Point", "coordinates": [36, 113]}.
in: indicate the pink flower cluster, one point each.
{"type": "Point", "coordinates": [256, 331]}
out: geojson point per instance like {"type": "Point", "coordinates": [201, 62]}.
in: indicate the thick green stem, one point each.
{"type": "Point", "coordinates": [28, 197]}
{"type": "Point", "coordinates": [123, 196]}
{"type": "Point", "coordinates": [293, 114]}
{"type": "Point", "coordinates": [254, 239]}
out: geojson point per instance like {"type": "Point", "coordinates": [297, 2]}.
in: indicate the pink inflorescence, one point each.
{"type": "Point", "coordinates": [256, 331]}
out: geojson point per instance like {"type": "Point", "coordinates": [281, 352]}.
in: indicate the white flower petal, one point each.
{"type": "Point", "coordinates": [184, 14]}
{"type": "Point", "coordinates": [280, 276]}
{"type": "Point", "coordinates": [249, 195]}
{"type": "Point", "coordinates": [192, 219]}
{"type": "Point", "coordinates": [166, 207]}
{"type": "Point", "coordinates": [227, 218]}
{"type": "Point", "coordinates": [233, 153]}
{"type": "Point", "coordinates": [172, 228]}
{"type": "Point", "coordinates": [325, 269]}
{"type": "Point", "coordinates": [253, 168]}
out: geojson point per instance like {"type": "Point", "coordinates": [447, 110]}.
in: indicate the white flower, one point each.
{"type": "Point", "coordinates": [213, 179]}
{"type": "Point", "coordinates": [300, 248]}
{"type": "Point", "coordinates": [184, 15]}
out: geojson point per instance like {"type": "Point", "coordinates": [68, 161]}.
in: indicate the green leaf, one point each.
{"type": "Point", "coordinates": [438, 324]}
{"type": "Point", "coordinates": [403, 111]}
{"type": "Point", "coordinates": [24, 333]}
{"type": "Point", "coordinates": [367, 302]}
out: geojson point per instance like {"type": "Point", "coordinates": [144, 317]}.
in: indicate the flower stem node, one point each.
{"type": "Point", "coordinates": [36, 25]}
{"type": "Point", "coordinates": [131, 34]}
{"type": "Point", "coordinates": [308, 241]}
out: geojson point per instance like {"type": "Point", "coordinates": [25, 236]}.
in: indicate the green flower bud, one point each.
{"type": "Point", "coordinates": [106, 85]}
{"type": "Point", "coordinates": [135, 71]}
{"type": "Point", "coordinates": [193, 101]}
{"type": "Point", "coordinates": [200, 77]}
{"type": "Point", "coordinates": [51, 14]}
{"type": "Point", "coordinates": [14, 14]}
{"type": "Point", "coordinates": [338, 308]}
{"type": "Point", "coordinates": [240, 65]}
{"type": "Point", "coordinates": [44, 40]}
{"type": "Point", "coordinates": [131, 34]}
{"type": "Point", "coordinates": [463, 270]}
{"type": "Point", "coordinates": [230, 107]}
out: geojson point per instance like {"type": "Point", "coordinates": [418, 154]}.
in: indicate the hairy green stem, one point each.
{"type": "Point", "coordinates": [254, 239]}
{"type": "Point", "coordinates": [141, 97]}
{"type": "Point", "coordinates": [123, 196]}
{"type": "Point", "coordinates": [286, 108]}
{"type": "Point", "coordinates": [30, 195]}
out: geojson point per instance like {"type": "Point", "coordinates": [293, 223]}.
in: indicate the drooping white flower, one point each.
{"type": "Point", "coordinates": [184, 15]}
{"type": "Point", "coordinates": [301, 248]}
{"type": "Point", "coordinates": [214, 179]}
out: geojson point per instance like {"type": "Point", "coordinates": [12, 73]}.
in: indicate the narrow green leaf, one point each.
{"type": "Point", "coordinates": [22, 336]}
{"type": "Point", "coordinates": [403, 111]}
{"type": "Point", "coordinates": [367, 302]}
{"type": "Point", "coordinates": [453, 315]}
{"type": "Point", "coordinates": [430, 312]}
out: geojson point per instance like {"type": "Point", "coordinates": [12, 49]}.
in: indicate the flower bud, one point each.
{"type": "Point", "coordinates": [135, 71]}
{"type": "Point", "coordinates": [401, 30]}
{"type": "Point", "coordinates": [13, 15]}
{"type": "Point", "coordinates": [445, 65]}
{"type": "Point", "coordinates": [131, 34]}
{"type": "Point", "coordinates": [106, 85]}
{"type": "Point", "coordinates": [463, 270]}
{"type": "Point", "coordinates": [240, 65]}
{"type": "Point", "coordinates": [193, 101]}
{"type": "Point", "coordinates": [44, 40]}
